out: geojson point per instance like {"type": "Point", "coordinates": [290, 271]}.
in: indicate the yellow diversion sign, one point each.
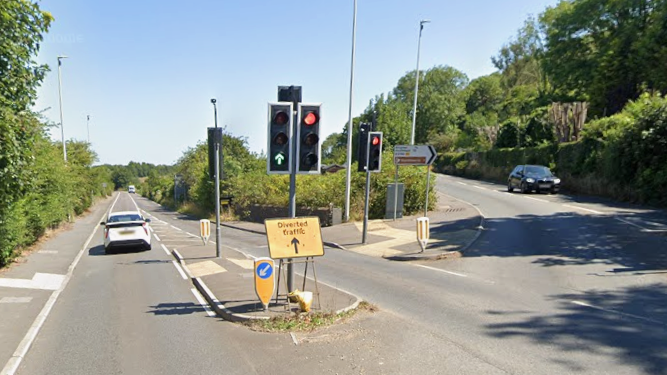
{"type": "Point", "coordinates": [294, 238]}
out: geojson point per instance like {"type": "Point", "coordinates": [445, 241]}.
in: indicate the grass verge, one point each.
{"type": "Point", "coordinates": [300, 322]}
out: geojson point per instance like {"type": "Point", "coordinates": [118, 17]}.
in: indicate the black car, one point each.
{"type": "Point", "coordinates": [536, 178]}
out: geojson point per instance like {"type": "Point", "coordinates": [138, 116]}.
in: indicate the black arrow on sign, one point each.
{"type": "Point", "coordinates": [295, 242]}
{"type": "Point", "coordinates": [433, 155]}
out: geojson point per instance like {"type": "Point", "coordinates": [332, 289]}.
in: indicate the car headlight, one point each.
{"type": "Point", "coordinates": [557, 181]}
{"type": "Point", "coordinates": [530, 180]}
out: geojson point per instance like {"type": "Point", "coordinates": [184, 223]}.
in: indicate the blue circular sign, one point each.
{"type": "Point", "coordinates": [264, 270]}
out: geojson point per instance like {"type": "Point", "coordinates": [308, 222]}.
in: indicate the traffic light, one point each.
{"type": "Point", "coordinates": [374, 151]}
{"type": "Point", "coordinates": [363, 147]}
{"type": "Point", "coordinates": [308, 135]}
{"type": "Point", "coordinates": [279, 133]}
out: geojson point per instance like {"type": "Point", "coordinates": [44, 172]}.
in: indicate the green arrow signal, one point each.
{"type": "Point", "coordinates": [279, 158]}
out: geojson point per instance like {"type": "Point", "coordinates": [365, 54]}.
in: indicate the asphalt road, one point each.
{"type": "Point", "coordinates": [555, 284]}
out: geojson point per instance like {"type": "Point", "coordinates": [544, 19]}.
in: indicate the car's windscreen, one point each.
{"type": "Point", "coordinates": [536, 171]}
{"type": "Point", "coordinates": [123, 218]}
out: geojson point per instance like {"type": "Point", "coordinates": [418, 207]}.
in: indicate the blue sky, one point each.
{"type": "Point", "coordinates": [145, 71]}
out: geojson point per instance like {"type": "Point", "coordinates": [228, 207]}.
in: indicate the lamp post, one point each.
{"type": "Point", "coordinates": [414, 108]}
{"type": "Point", "coordinates": [217, 181]}
{"type": "Point", "coordinates": [60, 99]}
{"type": "Point", "coordinates": [88, 127]}
{"type": "Point", "coordinates": [349, 123]}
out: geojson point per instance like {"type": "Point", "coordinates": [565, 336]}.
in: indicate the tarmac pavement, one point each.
{"type": "Point", "coordinates": [227, 283]}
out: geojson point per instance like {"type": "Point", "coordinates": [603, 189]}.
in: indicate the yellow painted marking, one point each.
{"type": "Point", "coordinates": [247, 264]}
{"type": "Point", "coordinates": [205, 268]}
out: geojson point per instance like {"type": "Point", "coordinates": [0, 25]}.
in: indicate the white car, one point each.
{"type": "Point", "coordinates": [126, 229]}
{"type": "Point", "coordinates": [131, 189]}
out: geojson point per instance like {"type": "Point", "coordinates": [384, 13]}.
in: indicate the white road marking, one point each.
{"type": "Point", "coordinates": [203, 302]}
{"type": "Point", "coordinates": [480, 187]}
{"type": "Point", "coordinates": [441, 270]}
{"type": "Point", "coordinates": [580, 303]}
{"type": "Point", "coordinates": [294, 338]}
{"type": "Point", "coordinates": [135, 203]}
{"type": "Point", "coordinates": [15, 299]}
{"type": "Point", "coordinates": [631, 223]}
{"type": "Point", "coordinates": [176, 228]}
{"type": "Point", "coordinates": [180, 270]}
{"type": "Point", "coordinates": [15, 361]}
{"type": "Point", "coordinates": [156, 237]}
{"type": "Point", "coordinates": [45, 281]}
{"type": "Point", "coordinates": [583, 209]}
{"type": "Point", "coordinates": [48, 252]}
{"type": "Point", "coordinates": [191, 235]}
{"type": "Point", "coordinates": [462, 183]}
{"type": "Point", "coordinates": [165, 249]}
{"type": "Point", "coordinates": [537, 199]}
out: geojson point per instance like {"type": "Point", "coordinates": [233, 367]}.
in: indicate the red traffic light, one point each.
{"type": "Point", "coordinates": [281, 118]}
{"type": "Point", "coordinates": [310, 118]}
{"type": "Point", "coordinates": [375, 141]}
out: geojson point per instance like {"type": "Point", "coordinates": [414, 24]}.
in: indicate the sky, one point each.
{"type": "Point", "coordinates": [145, 71]}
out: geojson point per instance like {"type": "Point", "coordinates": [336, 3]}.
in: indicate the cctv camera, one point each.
{"type": "Point", "coordinates": [213, 101]}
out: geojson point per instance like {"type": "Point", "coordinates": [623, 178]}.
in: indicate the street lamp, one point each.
{"type": "Point", "coordinates": [88, 127]}
{"type": "Point", "coordinates": [217, 179]}
{"type": "Point", "coordinates": [349, 123]}
{"type": "Point", "coordinates": [60, 98]}
{"type": "Point", "coordinates": [414, 108]}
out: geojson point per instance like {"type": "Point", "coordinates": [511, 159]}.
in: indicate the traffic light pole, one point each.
{"type": "Point", "coordinates": [368, 188]}
{"type": "Point", "coordinates": [292, 196]}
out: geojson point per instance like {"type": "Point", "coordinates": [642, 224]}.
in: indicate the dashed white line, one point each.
{"type": "Point", "coordinates": [580, 303]}
{"type": "Point", "coordinates": [462, 183]}
{"type": "Point", "coordinates": [441, 270]}
{"type": "Point", "coordinates": [631, 223]}
{"type": "Point", "coordinates": [202, 302]}
{"type": "Point", "coordinates": [180, 270]}
{"type": "Point", "coordinates": [538, 199]}
{"type": "Point", "coordinates": [479, 187]}
{"type": "Point", "coordinates": [165, 249]}
{"type": "Point", "coordinates": [156, 237]}
{"type": "Point", "coordinates": [176, 228]}
{"type": "Point", "coordinates": [583, 209]}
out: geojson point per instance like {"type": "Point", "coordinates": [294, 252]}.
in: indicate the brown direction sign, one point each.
{"type": "Point", "coordinates": [294, 237]}
{"type": "Point", "coordinates": [414, 155]}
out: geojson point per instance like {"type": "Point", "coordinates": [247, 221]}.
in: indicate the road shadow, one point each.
{"type": "Point", "coordinates": [179, 308]}
{"type": "Point", "coordinates": [569, 238]}
{"type": "Point", "coordinates": [99, 251]}
{"type": "Point", "coordinates": [627, 324]}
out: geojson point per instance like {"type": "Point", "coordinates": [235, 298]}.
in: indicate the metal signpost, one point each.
{"type": "Point", "coordinates": [205, 230]}
{"type": "Point", "coordinates": [414, 155]}
{"type": "Point", "coordinates": [265, 284]}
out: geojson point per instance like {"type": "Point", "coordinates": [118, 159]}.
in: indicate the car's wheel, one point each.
{"type": "Point", "coordinates": [509, 186]}
{"type": "Point", "coordinates": [553, 191]}
{"type": "Point", "coordinates": [107, 250]}
{"type": "Point", "coordinates": [524, 188]}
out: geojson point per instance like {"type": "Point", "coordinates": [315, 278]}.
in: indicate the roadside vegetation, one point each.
{"type": "Point", "coordinates": [605, 62]}
{"type": "Point", "coordinates": [38, 190]}
{"type": "Point", "coordinates": [307, 321]}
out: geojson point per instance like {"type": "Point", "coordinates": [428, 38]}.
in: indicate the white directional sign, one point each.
{"type": "Point", "coordinates": [414, 155]}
